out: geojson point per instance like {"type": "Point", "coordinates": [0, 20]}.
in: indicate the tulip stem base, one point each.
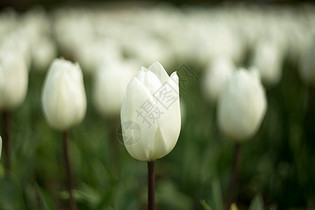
{"type": "Point", "coordinates": [151, 185]}
{"type": "Point", "coordinates": [73, 205]}
{"type": "Point", "coordinates": [234, 175]}
{"type": "Point", "coordinates": [6, 140]}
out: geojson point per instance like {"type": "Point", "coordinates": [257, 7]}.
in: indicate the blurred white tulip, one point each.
{"type": "Point", "coordinates": [92, 54]}
{"type": "Point", "coordinates": [43, 53]}
{"type": "Point", "coordinates": [242, 106]}
{"type": "Point", "coordinates": [146, 50]}
{"type": "Point", "coordinates": [151, 109]}
{"type": "Point", "coordinates": [268, 59]}
{"type": "Point", "coordinates": [13, 79]}
{"type": "Point", "coordinates": [63, 96]}
{"type": "Point", "coordinates": [216, 75]}
{"type": "Point", "coordinates": [110, 83]}
{"type": "Point", "coordinates": [18, 42]}
{"type": "Point", "coordinates": [307, 65]}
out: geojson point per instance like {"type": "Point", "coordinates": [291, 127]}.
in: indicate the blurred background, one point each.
{"type": "Point", "coordinates": [277, 165]}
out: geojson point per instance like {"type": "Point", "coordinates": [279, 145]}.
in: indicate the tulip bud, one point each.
{"type": "Point", "coordinates": [110, 83]}
{"type": "Point", "coordinates": [242, 105]}
{"type": "Point", "coordinates": [215, 78]}
{"type": "Point", "coordinates": [63, 96]}
{"type": "Point", "coordinates": [307, 65]}
{"type": "Point", "coordinates": [13, 79]}
{"type": "Point", "coordinates": [150, 113]}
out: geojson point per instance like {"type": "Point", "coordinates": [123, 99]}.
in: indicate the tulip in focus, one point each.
{"type": "Point", "coordinates": [215, 78]}
{"type": "Point", "coordinates": [158, 135]}
{"type": "Point", "coordinates": [151, 118]}
{"type": "Point", "coordinates": [63, 97]}
{"type": "Point", "coordinates": [242, 105]}
{"type": "Point", "coordinates": [13, 79]}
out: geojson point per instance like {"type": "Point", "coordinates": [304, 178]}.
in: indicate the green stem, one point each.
{"type": "Point", "coordinates": [151, 186]}
{"type": "Point", "coordinates": [234, 176]}
{"type": "Point", "coordinates": [68, 170]}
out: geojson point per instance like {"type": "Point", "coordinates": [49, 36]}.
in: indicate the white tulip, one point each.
{"type": "Point", "coordinates": [150, 113]}
{"type": "Point", "coordinates": [242, 105]}
{"type": "Point", "coordinates": [92, 54]}
{"type": "Point", "coordinates": [215, 78]}
{"type": "Point", "coordinates": [63, 96]}
{"type": "Point", "coordinates": [18, 42]}
{"type": "Point", "coordinates": [43, 53]}
{"type": "Point", "coordinates": [110, 83]}
{"type": "Point", "coordinates": [268, 59]}
{"type": "Point", "coordinates": [13, 79]}
{"type": "Point", "coordinates": [307, 65]}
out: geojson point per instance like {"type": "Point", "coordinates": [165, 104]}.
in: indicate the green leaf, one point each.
{"type": "Point", "coordinates": [205, 205]}
{"type": "Point", "coordinates": [217, 195]}
{"type": "Point", "coordinates": [47, 202]}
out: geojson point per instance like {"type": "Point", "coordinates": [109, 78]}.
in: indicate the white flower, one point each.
{"type": "Point", "coordinates": [63, 97]}
{"type": "Point", "coordinates": [215, 78]}
{"type": "Point", "coordinates": [268, 59]}
{"type": "Point", "coordinates": [91, 54]}
{"type": "Point", "coordinates": [242, 105]}
{"type": "Point", "coordinates": [18, 42]}
{"type": "Point", "coordinates": [110, 83]}
{"type": "Point", "coordinates": [43, 53]}
{"type": "Point", "coordinates": [150, 113]}
{"type": "Point", "coordinates": [13, 79]}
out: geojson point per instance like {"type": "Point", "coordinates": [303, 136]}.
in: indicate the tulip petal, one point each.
{"type": "Point", "coordinates": [159, 147]}
{"type": "Point", "coordinates": [170, 121]}
{"type": "Point", "coordinates": [159, 71]}
{"type": "Point", "coordinates": [140, 74]}
{"type": "Point", "coordinates": [151, 82]}
{"type": "Point", "coordinates": [134, 110]}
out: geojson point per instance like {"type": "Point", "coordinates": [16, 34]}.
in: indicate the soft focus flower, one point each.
{"type": "Point", "coordinates": [63, 97]}
{"type": "Point", "coordinates": [13, 79]}
{"type": "Point", "coordinates": [154, 91]}
{"type": "Point", "coordinates": [43, 53]}
{"type": "Point", "coordinates": [268, 59]}
{"type": "Point", "coordinates": [215, 78]}
{"type": "Point", "coordinates": [17, 41]}
{"type": "Point", "coordinates": [242, 105]}
{"type": "Point", "coordinates": [92, 54]}
{"type": "Point", "coordinates": [307, 65]}
{"type": "Point", "coordinates": [110, 83]}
